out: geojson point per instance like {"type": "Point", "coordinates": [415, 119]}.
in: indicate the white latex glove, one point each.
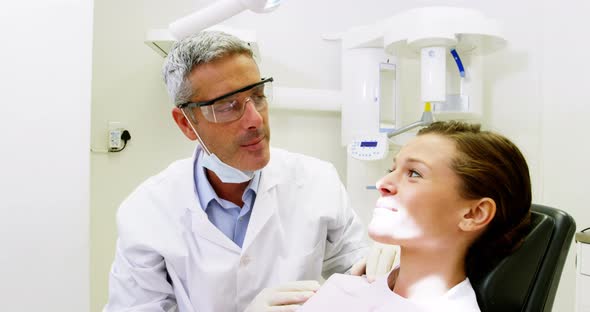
{"type": "Point", "coordinates": [377, 263]}
{"type": "Point", "coordinates": [285, 298]}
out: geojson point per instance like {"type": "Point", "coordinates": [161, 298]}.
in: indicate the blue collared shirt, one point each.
{"type": "Point", "coordinates": [230, 219]}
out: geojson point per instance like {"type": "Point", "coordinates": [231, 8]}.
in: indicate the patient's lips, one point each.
{"type": "Point", "coordinates": [387, 202]}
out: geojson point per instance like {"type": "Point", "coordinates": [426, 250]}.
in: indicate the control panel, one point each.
{"type": "Point", "coordinates": [369, 148]}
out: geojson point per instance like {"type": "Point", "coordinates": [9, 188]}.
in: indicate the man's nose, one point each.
{"type": "Point", "coordinates": [252, 117]}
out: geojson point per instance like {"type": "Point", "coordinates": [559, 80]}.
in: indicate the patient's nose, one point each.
{"type": "Point", "coordinates": [386, 186]}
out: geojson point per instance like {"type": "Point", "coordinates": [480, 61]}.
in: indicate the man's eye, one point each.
{"type": "Point", "coordinates": [414, 174]}
{"type": "Point", "coordinates": [258, 97]}
{"type": "Point", "coordinates": [225, 107]}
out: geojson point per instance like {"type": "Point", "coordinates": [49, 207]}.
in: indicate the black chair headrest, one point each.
{"type": "Point", "coordinates": [507, 287]}
{"type": "Point", "coordinates": [527, 280]}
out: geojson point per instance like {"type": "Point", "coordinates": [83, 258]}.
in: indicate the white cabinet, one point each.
{"type": "Point", "coordinates": [583, 272]}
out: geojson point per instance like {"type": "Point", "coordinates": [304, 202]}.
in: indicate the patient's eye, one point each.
{"type": "Point", "coordinates": [414, 174]}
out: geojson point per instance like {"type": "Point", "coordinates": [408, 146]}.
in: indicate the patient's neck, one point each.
{"type": "Point", "coordinates": [427, 273]}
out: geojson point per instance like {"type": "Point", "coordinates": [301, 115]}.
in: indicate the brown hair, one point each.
{"type": "Point", "coordinates": [490, 165]}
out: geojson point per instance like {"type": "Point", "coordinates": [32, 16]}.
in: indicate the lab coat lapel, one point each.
{"type": "Point", "coordinates": [204, 228]}
{"type": "Point", "coordinates": [266, 201]}
{"type": "Point", "coordinates": [200, 223]}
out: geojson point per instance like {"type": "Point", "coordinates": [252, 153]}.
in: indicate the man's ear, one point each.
{"type": "Point", "coordinates": [480, 214]}
{"type": "Point", "coordinates": [183, 123]}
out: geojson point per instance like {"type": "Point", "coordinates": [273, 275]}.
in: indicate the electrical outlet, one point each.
{"type": "Point", "coordinates": [114, 138]}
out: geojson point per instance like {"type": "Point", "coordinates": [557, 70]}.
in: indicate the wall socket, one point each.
{"type": "Point", "coordinates": [114, 139]}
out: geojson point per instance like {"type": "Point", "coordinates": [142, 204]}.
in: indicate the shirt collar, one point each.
{"type": "Point", "coordinates": [206, 193]}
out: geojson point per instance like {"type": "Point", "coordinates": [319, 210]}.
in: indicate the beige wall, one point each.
{"type": "Point", "coordinates": [534, 94]}
{"type": "Point", "coordinates": [126, 87]}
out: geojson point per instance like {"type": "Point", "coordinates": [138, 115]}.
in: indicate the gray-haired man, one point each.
{"type": "Point", "coordinates": [231, 228]}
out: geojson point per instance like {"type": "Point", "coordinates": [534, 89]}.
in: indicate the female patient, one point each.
{"type": "Point", "coordinates": [456, 201]}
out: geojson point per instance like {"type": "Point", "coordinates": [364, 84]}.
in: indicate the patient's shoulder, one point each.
{"type": "Point", "coordinates": [459, 298]}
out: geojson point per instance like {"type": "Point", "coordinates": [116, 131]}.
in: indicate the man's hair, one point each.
{"type": "Point", "coordinates": [490, 165]}
{"type": "Point", "coordinates": [202, 48]}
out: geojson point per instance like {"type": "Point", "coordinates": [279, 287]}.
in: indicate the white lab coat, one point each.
{"type": "Point", "coordinates": [168, 253]}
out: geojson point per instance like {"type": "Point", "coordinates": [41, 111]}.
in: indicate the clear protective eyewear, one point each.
{"type": "Point", "coordinates": [231, 106]}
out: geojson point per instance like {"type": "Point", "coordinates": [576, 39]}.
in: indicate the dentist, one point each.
{"type": "Point", "coordinates": [239, 226]}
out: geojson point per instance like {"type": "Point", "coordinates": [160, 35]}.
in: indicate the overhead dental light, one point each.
{"type": "Point", "coordinates": [217, 12]}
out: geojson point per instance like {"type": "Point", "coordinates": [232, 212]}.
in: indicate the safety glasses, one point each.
{"type": "Point", "coordinates": [231, 106]}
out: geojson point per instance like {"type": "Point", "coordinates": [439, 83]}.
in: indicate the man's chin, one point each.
{"type": "Point", "coordinates": [252, 161]}
{"type": "Point", "coordinates": [258, 163]}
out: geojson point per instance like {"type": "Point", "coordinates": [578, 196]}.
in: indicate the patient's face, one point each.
{"type": "Point", "coordinates": [420, 204]}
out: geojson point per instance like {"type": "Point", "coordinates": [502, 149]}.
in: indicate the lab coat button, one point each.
{"type": "Point", "coordinates": [244, 261]}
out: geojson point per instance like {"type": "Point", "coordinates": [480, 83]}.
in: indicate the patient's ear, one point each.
{"type": "Point", "coordinates": [479, 214]}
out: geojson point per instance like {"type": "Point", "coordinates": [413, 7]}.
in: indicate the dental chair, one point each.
{"type": "Point", "coordinates": [527, 280]}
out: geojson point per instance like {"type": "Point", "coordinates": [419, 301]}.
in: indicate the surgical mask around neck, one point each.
{"type": "Point", "coordinates": [225, 172]}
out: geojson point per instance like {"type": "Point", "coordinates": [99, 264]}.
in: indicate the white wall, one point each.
{"type": "Point", "coordinates": [45, 72]}
{"type": "Point", "coordinates": [566, 108]}
{"type": "Point", "coordinates": [534, 94]}
{"type": "Point", "coordinates": [536, 97]}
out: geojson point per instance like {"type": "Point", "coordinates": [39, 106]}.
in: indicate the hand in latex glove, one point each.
{"type": "Point", "coordinates": [285, 298]}
{"type": "Point", "coordinates": [377, 263]}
